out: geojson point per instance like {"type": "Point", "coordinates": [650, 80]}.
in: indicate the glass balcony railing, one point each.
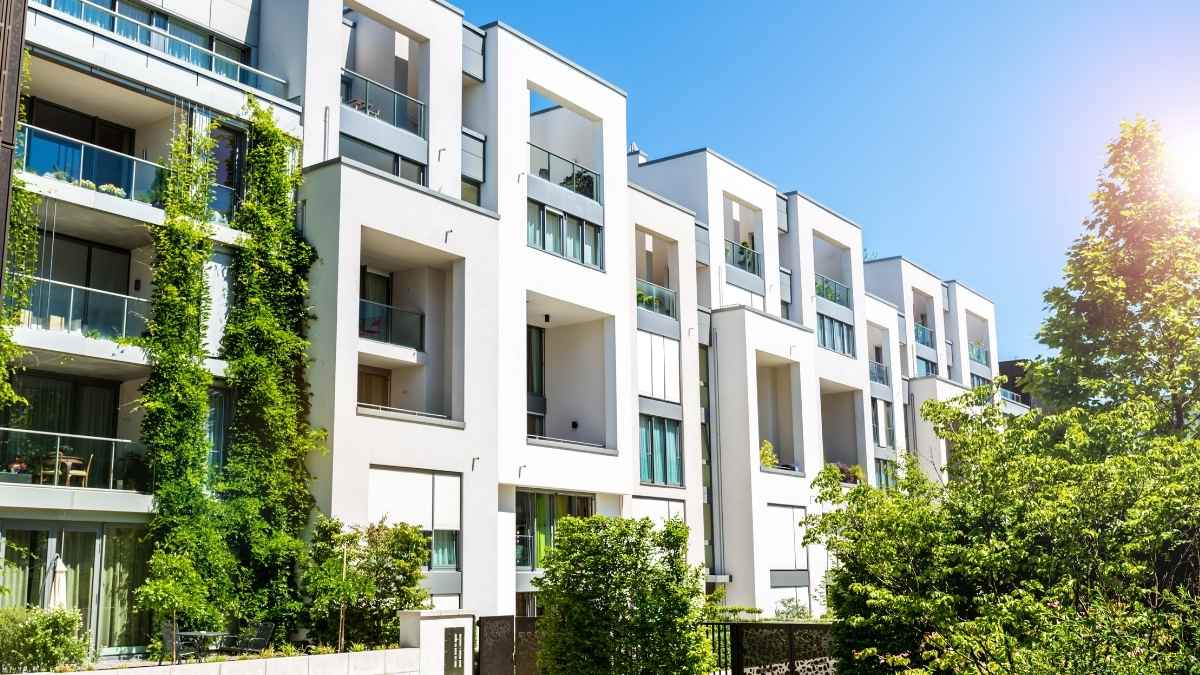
{"type": "Point", "coordinates": [979, 354]}
{"type": "Point", "coordinates": [70, 460]}
{"type": "Point", "coordinates": [743, 257]}
{"type": "Point", "coordinates": [59, 306]}
{"type": "Point", "coordinates": [382, 102]}
{"type": "Point", "coordinates": [656, 298]}
{"type": "Point", "coordinates": [162, 41]}
{"type": "Point", "coordinates": [1010, 395]}
{"type": "Point", "coordinates": [879, 373]}
{"type": "Point", "coordinates": [50, 155]}
{"type": "Point", "coordinates": [550, 167]}
{"type": "Point", "coordinates": [384, 323]}
{"type": "Point", "coordinates": [834, 291]}
{"type": "Point", "coordinates": [924, 334]}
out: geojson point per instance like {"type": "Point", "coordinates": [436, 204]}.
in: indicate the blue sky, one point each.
{"type": "Point", "coordinates": [964, 136]}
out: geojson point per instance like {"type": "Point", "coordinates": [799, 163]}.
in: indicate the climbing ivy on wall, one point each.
{"type": "Point", "coordinates": [186, 522]}
{"type": "Point", "coordinates": [20, 264]}
{"type": "Point", "coordinates": [265, 483]}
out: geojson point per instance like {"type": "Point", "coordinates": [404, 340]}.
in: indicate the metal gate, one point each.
{"type": "Point", "coordinates": [508, 645]}
{"type": "Point", "coordinates": [770, 647]}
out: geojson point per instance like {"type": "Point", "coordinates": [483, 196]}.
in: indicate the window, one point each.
{"type": "Point", "coordinates": [430, 501]}
{"type": "Point", "coordinates": [527, 604]}
{"type": "Point", "coordinates": [662, 457]}
{"type": "Point", "coordinates": [885, 474]}
{"type": "Point", "coordinates": [926, 368]}
{"type": "Point", "coordinates": [885, 433]}
{"type": "Point", "coordinates": [220, 411]}
{"type": "Point", "coordinates": [658, 510]}
{"type": "Point", "coordinates": [704, 376]}
{"type": "Point", "coordinates": [835, 335]}
{"type": "Point", "coordinates": [535, 424]}
{"type": "Point", "coordinates": [658, 367]}
{"type": "Point", "coordinates": [979, 381]}
{"type": "Point", "coordinates": [471, 191]}
{"type": "Point", "coordinates": [875, 419]}
{"type": "Point", "coordinates": [889, 423]}
{"type": "Point", "coordinates": [785, 309]}
{"type": "Point", "coordinates": [535, 360]}
{"type": "Point", "coordinates": [536, 514]}
{"type": "Point", "coordinates": [564, 235]}
{"type": "Point", "coordinates": [384, 160]}
{"type": "Point", "coordinates": [374, 386]}
{"type": "Point", "coordinates": [785, 539]}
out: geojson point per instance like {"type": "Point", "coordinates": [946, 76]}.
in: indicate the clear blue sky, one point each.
{"type": "Point", "coordinates": [964, 136]}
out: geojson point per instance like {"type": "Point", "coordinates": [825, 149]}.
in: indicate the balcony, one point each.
{"type": "Point", "coordinates": [979, 354]}
{"type": "Point", "coordinates": [834, 291]}
{"type": "Point", "coordinates": [50, 155]}
{"type": "Point", "coordinates": [59, 306]}
{"type": "Point", "coordinates": [879, 373]}
{"type": "Point", "coordinates": [1010, 395]}
{"type": "Point", "coordinates": [743, 257]}
{"type": "Point", "coordinates": [69, 460]}
{"type": "Point", "coordinates": [384, 323]}
{"type": "Point", "coordinates": [564, 173]}
{"type": "Point", "coordinates": [924, 335]}
{"type": "Point", "coordinates": [657, 299]}
{"type": "Point", "coordinates": [383, 103]}
{"type": "Point", "coordinates": [128, 29]}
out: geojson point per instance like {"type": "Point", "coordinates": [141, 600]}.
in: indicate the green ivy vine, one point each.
{"type": "Point", "coordinates": [265, 482]}
{"type": "Point", "coordinates": [186, 519]}
{"type": "Point", "coordinates": [20, 264]}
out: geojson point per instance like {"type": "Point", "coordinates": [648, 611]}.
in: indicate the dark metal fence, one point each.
{"type": "Point", "coordinates": [769, 647]}
{"type": "Point", "coordinates": [508, 646]}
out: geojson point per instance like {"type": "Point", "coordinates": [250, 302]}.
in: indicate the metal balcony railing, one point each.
{"type": "Point", "coordinates": [50, 155]}
{"type": "Point", "coordinates": [382, 102]}
{"type": "Point", "coordinates": [1010, 395]}
{"type": "Point", "coordinates": [834, 291]}
{"type": "Point", "coordinates": [59, 306]}
{"type": "Point", "coordinates": [879, 373]}
{"type": "Point", "coordinates": [71, 460]}
{"type": "Point", "coordinates": [656, 298]}
{"type": "Point", "coordinates": [979, 354]}
{"type": "Point", "coordinates": [743, 257]}
{"type": "Point", "coordinates": [162, 41]}
{"type": "Point", "coordinates": [924, 335]}
{"type": "Point", "coordinates": [561, 171]}
{"type": "Point", "coordinates": [384, 323]}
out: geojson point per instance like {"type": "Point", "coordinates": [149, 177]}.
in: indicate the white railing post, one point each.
{"type": "Point", "coordinates": [57, 457]}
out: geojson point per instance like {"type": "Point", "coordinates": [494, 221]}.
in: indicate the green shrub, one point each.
{"type": "Point", "coordinates": [619, 597]}
{"type": "Point", "coordinates": [35, 640]}
{"type": "Point", "coordinates": [370, 574]}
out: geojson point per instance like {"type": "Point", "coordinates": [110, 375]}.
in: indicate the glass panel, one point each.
{"type": "Point", "coordinates": [535, 425]}
{"type": "Point", "coordinates": [376, 287]}
{"type": "Point", "coordinates": [413, 171]}
{"type": "Point", "coordinates": [23, 574]}
{"type": "Point", "coordinates": [445, 549]}
{"type": "Point", "coordinates": [79, 556]}
{"type": "Point", "coordinates": [124, 569]}
{"type": "Point", "coordinates": [543, 533]}
{"type": "Point", "coordinates": [227, 155]}
{"type": "Point", "coordinates": [535, 364]}
{"type": "Point", "coordinates": [524, 529]}
{"type": "Point", "coordinates": [660, 460]}
{"type": "Point", "coordinates": [368, 154]}
{"type": "Point", "coordinates": [374, 387]}
{"type": "Point", "coordinates": [674, 456]}
{"type": "Point", "coordinates": [470, 192]}
{"type": "Point", "coordinates": [574, 236]}
{"type": "Point", "coordinates": [53, 157]}
{"type": "Point", "coordinates": [646, 448]}
{"type": "Point", "coordinates": [218, 422]}
{"type": "Point", "coordinates": [554, 223]}
{"type": "Point", "coordinates": [533, 216]}
{"type": "Point", "coordinates": [539, 162]}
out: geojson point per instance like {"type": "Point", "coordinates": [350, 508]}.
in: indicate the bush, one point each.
{"type": "Point", "coordinates": [35, 640]}
{"type": "Point", "coordinates": [371, 573]}
{"type": "Point", "coordinates": [619, 597]}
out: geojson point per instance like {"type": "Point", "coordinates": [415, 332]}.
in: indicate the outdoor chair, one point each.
{"type": "Point", "coordinates": [82, 474]}
{"type": "Point", "coordinates": [253, 644]}
{"type": "Point", "coordinates": [183, 648]}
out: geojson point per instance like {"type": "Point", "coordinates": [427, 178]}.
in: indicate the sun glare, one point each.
{"type": "Point", "coordinates": [1183, 161]}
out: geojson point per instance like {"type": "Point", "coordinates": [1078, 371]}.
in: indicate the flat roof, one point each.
{"type": "Point", "coordinates": [654, 195]}
{"type": "Point", "coordinates": [554, 54]}
{"type": "Point", "coordinates": [716, 154]}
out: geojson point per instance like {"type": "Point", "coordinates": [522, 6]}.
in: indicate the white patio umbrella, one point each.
{"type": "Point", "coordinates": [58, 585]}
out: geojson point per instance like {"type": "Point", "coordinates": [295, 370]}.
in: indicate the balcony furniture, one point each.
{"type": "Point", "coordinates": [81, 474]}
{"type": "Point", "coordinates": [205, 641]}
{"type": "Point", "coordinates": [174, 642]}
{"type": "Point", "coordinates": [254, 644]}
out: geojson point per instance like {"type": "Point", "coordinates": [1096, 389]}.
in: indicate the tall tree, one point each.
{"type": "Point", "coordinates": [1125, 323]}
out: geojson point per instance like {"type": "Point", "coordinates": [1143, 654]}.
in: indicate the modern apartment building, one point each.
{"type": "Point", "coordinates": [517, 320]}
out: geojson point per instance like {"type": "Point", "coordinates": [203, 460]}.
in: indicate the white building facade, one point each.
{"type": "Point", "coordinates": [516, 319]}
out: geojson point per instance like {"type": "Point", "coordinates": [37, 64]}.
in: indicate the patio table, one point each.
{"type": "Point", "coordinates": [204, 640]}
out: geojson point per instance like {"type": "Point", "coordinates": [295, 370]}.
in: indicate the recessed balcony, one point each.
{"type": "Point", "coordinates": [743, 257]}
{"type": "Point", "coordinates": [879, 373]}
{"type": "Point", "coordinates": [392, 325]}
{"type": "Point", "coordinates": [381, 102]}
{"type": "Point", "coordinates": [834, 291]}
{"type": "Point", "coordinates": [924, 335]}
{"type": "Point", "coordinates": [657, 299]}
{"type": "Point", "coordinates": [29, 457]}
{"type": "Point", "coordinates": [95, 313]}
{"type": "Point", "coordinates": [564, 173]}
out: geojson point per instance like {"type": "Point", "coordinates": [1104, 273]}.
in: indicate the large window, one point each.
{"type": "Point", "coordinates": [535, 360]}
{"type": "Point", "coordinates": [431, 501]}
{"type": "Point", "coordinates": [220, 412]}
{"type": "Point", "coordinates": [536, 515]}
{"type": "Point", "coordinates": [384, 160]}
{"type": "Point", "coordinates": [884, 433]}
{"type": "Point", "coordinates": [658, 366]}
{"type": "Point", "coordinates": [564, 235]}
{"type": "Point", "coordinates": [835, 335]}
{"type": "Point", "coordinates": [979, 381]}
{"type": "Point", "coordinates": [662, 456]}
{"type": "Point", "coordinates": [659, 510]}
{"type": "Point", "coordinates": [885, 474]}
{"type": "Point", "coordinates": [926, 368]}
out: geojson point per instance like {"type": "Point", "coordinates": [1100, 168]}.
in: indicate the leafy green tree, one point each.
{"type": "Point", "coordinates": [359, 579]}
{"type": "Point", "coordinates": [619, 597]}
{"type": "Point", "coordinates": [173, 588]}
{"type": "Point", "coordinates": [265, 482]}
{"type": "Point", "coordinates": [1051, 524]}
{"type": "Point", "coordinates": [1125, 323]}
{"type": "Point", "coordinates": [186, 519]}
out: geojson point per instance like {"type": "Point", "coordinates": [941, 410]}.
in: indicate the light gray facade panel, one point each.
{"type": "Point", "coordinates": [379, 133]}
{"type": "Point", "coordinates": [745, 280]}
{"type": "Point", "coordinates": [659, 324]}
{"type": "Point", "coordinates": [558, 197]}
